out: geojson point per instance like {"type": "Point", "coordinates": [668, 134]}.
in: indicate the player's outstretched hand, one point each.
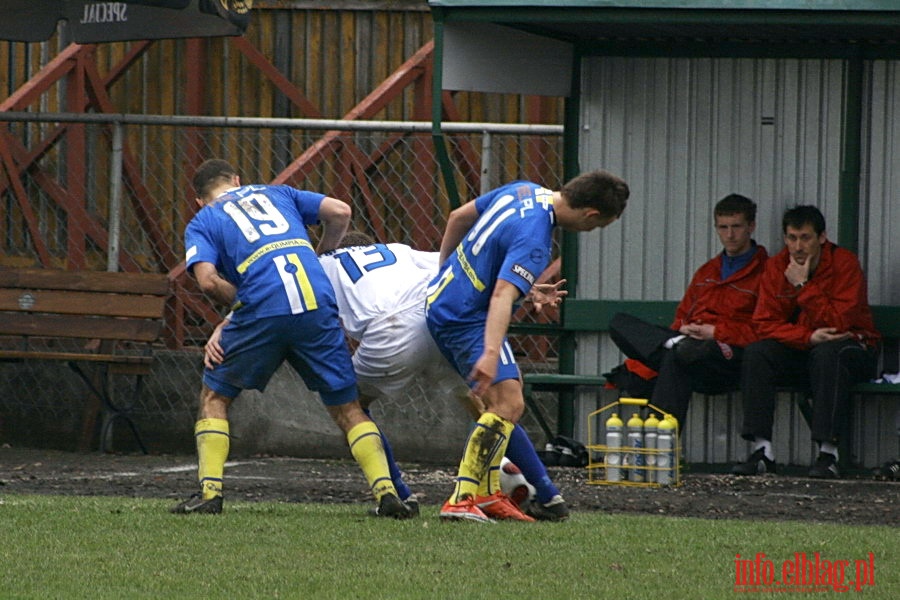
{"type": "Point", "coordinates": [547, 294]}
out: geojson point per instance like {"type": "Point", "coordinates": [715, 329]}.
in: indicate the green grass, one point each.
{"type": "Point", "coordinates": [90, 547]}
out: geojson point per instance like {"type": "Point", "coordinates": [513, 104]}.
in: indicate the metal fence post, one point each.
{"type": "Point", "coordinates": [486, 183]}
{"type": "Point", "coordinates": [115, 198]}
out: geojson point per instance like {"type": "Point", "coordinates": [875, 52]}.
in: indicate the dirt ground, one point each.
{"type": "Point", "coordinates": [858, 500]}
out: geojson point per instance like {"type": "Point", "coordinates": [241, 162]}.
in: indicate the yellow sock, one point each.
{"type": "Point", "coordinates": [212, 451]}
{"type": "Point", "coordinates": [484, 451]}
{"type": "Point", "coordinates": [366, 448]}
{"type": "Point", "coordinates": [491, 482]}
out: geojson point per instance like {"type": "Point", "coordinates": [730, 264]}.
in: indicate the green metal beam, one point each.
{"type": "Point", "coordinates": [851, 157]}
{"type": "Point", "coordinates": [437, 105]}
{"type": "Point", "coordinates": [735, 49]}
{"type": "Point", "coordinates": [888, 17]}
{"type": "Point", "coordinates": [569, 243]}
{"type": "Point", "coordinates": [732, 5]}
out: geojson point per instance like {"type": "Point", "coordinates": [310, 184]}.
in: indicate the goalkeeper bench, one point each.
{"type": "Point", "coordinates": [102, 325]}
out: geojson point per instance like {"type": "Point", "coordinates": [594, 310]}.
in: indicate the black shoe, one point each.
{"type": "Point", "coordinates": [413, 504]}
{"type": "Point", "coordinates": [392, 507]}
{"type": "Point", "coordinates": [555, 510]}
{"type": "Point", "coordinates": [889, 471]}
{"type": "Point", "coordinates": [757, 464]}
{"type": "Point", "coordinates": [825, 467]}
{"type": "Point", "coordinates": [196, 504]}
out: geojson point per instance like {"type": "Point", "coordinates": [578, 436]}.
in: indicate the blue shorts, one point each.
{"type": "Point", "coordinates": [312, 343]}
{"type": "Point", "coordinates": [463, 345]}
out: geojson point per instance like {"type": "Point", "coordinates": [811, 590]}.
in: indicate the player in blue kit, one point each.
{"type": "Point", "coordinates": [380, 290]}
{"type": "Point", "coordinates": [249, 249]}
{"type": "Point", "coordinates": [493, 249]}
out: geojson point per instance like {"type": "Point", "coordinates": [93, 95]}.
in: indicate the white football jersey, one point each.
{"type": "Point", "coordinates": [373, 282]}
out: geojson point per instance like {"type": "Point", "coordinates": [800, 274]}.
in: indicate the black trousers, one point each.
{"type": "Point", "coordinates": [639, 339]}
{"type": "Point", "coordinates": [828, 371]}
{"type": "Point", "coordinates": [691, 366]}
{"type": "Point", "coordinates": [695, 366]}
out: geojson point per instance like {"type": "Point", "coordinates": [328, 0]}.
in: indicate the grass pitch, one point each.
{"type": "Point", "coordinates": [92, 547]}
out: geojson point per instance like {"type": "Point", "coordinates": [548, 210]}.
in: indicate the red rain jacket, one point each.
{"type": "Point", "coordinates": [727, 304]}
{"type": "Point", "coordinates": [835, 296]}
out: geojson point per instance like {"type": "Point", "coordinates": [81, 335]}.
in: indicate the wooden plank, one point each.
{"type": "Point", "coordinates": [346, 63]}
{"type": "Point", "coordinates": [40, 82]}
{"type": "Point", "coordinates": [81, 303]}
{"type": "Point", "coordinates": [379, 39]}
{"type": "Point", "coordinates": [132, 364]}
{"type": "Point", "coordinates": [317, 48]}
{"type": "Point", "coordinates": [96, 281]}
{"type": "Point", "coordinates": [73, 326]}
{"type": "Point", "coordinates": [21, 196]}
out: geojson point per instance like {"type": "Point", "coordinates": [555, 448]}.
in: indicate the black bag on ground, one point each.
{"type": "Point", "coordinates": [563, 451]}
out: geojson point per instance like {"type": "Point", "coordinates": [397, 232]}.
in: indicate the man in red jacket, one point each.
{"type": "Point", "coordinates": [713, 322]}
{"type": "Point", "coordinates": [816, 330]}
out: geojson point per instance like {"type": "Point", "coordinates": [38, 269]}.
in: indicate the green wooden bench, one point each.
{"type": "Point", "coordinates": [581, 316]}
{"type": "Point", "coordinates": [592, 316]}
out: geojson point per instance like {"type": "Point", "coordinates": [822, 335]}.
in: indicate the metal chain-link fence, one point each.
{"type": "Point", "coordinates": [63, 207]}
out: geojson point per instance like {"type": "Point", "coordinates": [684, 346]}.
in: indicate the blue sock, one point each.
{"type": "Point", "coordinates": [521, 451]}
{"type": "Point", "coordinates": [396, 476]}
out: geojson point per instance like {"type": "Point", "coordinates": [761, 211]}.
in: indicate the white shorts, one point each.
{"type": "Point", "coordinates": [396, 350]}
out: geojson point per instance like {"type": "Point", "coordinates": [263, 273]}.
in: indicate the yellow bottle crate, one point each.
{"type": "Point", "coordinates": [637, 467]}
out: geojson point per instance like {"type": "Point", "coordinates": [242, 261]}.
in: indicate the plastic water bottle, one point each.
{"type": "Point", "coordinates": [650, 435]}
{"type": "Point", "coordinates": [665, 443]}
{"type": "Point", "coordinates": [613, 448]}
{"type": "Point", "coordinates": [634, 456]}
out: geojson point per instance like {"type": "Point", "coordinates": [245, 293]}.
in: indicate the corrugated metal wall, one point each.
{"type": "Point", "coordinates": [686, 132]}
{"type": "Point", "coordinates": [880, 237]}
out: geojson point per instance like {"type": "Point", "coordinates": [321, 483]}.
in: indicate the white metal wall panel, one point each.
{"type": "Point", "coordinates": [880, 226]}
{"type": "Point", "coordinates": [684, 133]}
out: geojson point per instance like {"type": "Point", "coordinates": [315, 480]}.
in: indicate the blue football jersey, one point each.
{"type": "Point", "coordinates": [256, 237]}
{"type": "Point", "coordinates": [511, 240]}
